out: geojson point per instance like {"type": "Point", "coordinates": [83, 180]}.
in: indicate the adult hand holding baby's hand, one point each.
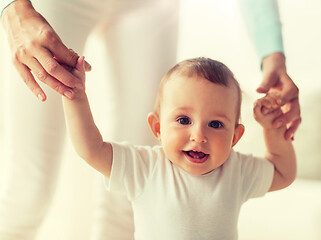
{"type": "Point", "coordinates": [275, 78]}
{"type": "Point", "coordinates": [37, 49]}
{"type": "Point", "coordinates": [79, 72]}
{"type": "Point", "coordinates": [267, 109]}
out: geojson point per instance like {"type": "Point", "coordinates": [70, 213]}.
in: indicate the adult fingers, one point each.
{"type": "Point", "coordinates": [29, 80]}
{"type": "Point", "coordinates": [289, 134]}
{"type": "Point", "coordinates": [87, 66]}
{"type": "Point", "coordinates": [291, 112]}
{"type": "Point", "coordinates": [63, 54]}
{"type": "Point", "coordinates": [289, 90]}
{"type": "Point", "coordinates": [53, 83]}
{"type": "Point", "coordinates": [291, 118]}
{"type": "Point", "coordinates": [269, 80]}
{"type": "Point", "coordinates": [54, 70]}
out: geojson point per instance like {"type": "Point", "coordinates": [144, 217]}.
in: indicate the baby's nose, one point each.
{"type": "Point", "coordinates": [198, 135]}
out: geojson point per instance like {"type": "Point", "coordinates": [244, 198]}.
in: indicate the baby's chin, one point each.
{"type": "Point", "coordinates": [198, 172]}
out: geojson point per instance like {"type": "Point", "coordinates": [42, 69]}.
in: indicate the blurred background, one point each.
{"type": "Point", "coordinates": [293, 213]}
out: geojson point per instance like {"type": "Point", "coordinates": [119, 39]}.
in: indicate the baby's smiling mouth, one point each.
{"type": "Point", "coordinates": [196, 156]}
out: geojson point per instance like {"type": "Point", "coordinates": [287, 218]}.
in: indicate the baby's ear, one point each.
{"type": "Point", "coordinates": [154, 124]}
{"type": "Point", "coordinates": [238, 133]}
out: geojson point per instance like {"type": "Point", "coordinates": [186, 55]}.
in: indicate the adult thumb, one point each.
{"type": "Point", "coordinates": [265, 85]}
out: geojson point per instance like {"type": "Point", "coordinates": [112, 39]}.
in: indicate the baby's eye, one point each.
{"type": "Point", "coordinates": [215, 124]}
{"type": "Point", "coordinates": [183, 120]}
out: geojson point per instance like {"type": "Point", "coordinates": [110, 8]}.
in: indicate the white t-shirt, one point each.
{"type": "Point", "coordinates": [170, 204]}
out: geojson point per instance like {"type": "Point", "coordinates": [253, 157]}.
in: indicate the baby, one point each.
{"type": "Point", "coordinates": [192, 186]}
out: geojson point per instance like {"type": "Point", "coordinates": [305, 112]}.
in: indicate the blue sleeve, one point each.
{"type": "Point", "coordinates": [262, 20]}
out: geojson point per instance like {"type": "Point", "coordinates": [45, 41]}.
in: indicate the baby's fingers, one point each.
{"type": "Point", "coordinates": [270, 102]}
{"type": "Point", "coordinates": [257, 110]}
{"type": "Point", "coordinates": [78, 71]}
{"type": "Point", "coordinates": [80, 66]}
{"type": "Point", "coordinates": [265, 119]}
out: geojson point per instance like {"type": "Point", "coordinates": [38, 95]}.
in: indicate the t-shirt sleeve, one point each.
{"type": "Point", "coordinates": [257, 175]}
{"type": "Point", "coordinates": [131, 169]}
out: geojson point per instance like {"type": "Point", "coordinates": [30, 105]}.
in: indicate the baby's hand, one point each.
{"type": "Point", "coordinates": [79, 72]}
{"type": "Point", "coordinates": [267, 109]}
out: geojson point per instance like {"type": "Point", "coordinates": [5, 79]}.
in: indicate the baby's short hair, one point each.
{"type": "Point", "coordinates": [212, 70]}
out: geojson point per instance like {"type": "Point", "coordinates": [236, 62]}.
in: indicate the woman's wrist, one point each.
{"type": "Point", "coordinates": [17, 9]}
{"type": "Point", "coordinates": [274, 61]}
{"type": "Point", "coordinates": [5, 5]}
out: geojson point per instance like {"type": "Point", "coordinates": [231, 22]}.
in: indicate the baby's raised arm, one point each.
{"type": "Point", "coordinates": [278, 150]}
{"type": "Point", "coordinates": [83, 131]}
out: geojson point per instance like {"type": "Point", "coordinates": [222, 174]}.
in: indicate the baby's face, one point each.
{"type": "Point", "coordinates": [197, 123]}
